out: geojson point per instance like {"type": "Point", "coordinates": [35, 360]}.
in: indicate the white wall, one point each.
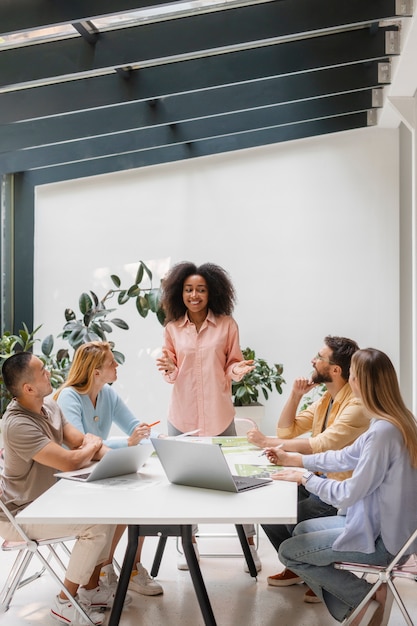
{"type": "Point", "coordinates": [308, 231]}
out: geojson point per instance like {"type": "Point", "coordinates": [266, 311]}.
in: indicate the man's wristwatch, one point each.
{"type": "Point", "coordinates": [307, 475]}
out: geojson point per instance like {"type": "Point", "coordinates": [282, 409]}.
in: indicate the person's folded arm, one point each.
{"type": "Point", "coordinates": [83, 450]}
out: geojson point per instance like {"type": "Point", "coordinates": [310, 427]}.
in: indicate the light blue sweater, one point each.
{"type": "Point", "coordinates": [79, 411]}
{"type": "Point", "coordinates": [381, 496]}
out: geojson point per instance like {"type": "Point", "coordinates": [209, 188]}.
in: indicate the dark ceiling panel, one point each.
{"type": "Point", "coordinates": [33, 14]}
{"type": "Point", "coordinates": [190, 105]}
{"type": "Point", "coordinates": [192, 75]}
{"type": "Point", "coordinates": [186, 36]}
{"type": "Point", "coordinates": [218, 145]}
{"type": "Point", "coordinates": [209, 81]}
{"type": "Point", "coordinates": [188, 132]}
{"type": "Point", "coordinates": [290, 16]}
{"type": "Point", "coordinates": [281, 59]}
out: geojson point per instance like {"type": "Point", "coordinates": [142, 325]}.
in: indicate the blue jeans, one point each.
{"type": "Point", "coordinates": [309, 554]}
{"type": "Point", "coordinates": [309, 506]}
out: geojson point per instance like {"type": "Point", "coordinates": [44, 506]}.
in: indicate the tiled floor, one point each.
{"type": "Point", "coordinates": [237, 599]}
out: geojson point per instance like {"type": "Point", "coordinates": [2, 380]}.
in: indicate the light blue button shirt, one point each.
{"type": "Point", "coordinates": [380, 498]}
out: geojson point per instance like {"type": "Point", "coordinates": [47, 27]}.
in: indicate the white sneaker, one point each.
{"type": "Point", "coordinates": [65, 613]}
{"type": "Point", "coordinates": [101, 597]}
{"type": "Point", "coordinates": [141, 582]}
{"type": "Point", "coordinates": [182, 561]}
{"type": "Point", "coordinates": [256, 560]}
{"type": "Point", "coordinates": [108, 577]}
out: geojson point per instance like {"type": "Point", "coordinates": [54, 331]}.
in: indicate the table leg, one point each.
{"type": "Point", "coordinates": [124, 577]}
{"type": "Point", "coordinates": [246, 550]}
{"type": "Point", "coordinates": [158, 555]}
{"type": "Point", "coordinates": [196, 577]}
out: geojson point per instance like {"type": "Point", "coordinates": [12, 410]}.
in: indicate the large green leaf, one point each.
{"type": "Point", "coordinates": [142, 306]}
{"type": "Point", "coordinates": [69, 315]}
{"type": "Point", "coordinates": [116, 280]}
{"type": "Point", "coordinates": [153, 298]}
{"type": "Point", "coordinates": [47, 345]}
{"type": "Point", "coordinates": [76, 338]}
{"type": "Point", "coordinates": [119, 357]}
{"type": "Point", "coordinates": [105, 327]}
{"type": "Point", "coordinates": [147, 270]}
{"type": "Point", "coordinates": [85, 303]}
{"type": "Point", "coordinates": [95, 298]}
{"type": "Point", "coordinates": [160, 314]}
{"type": "Point", "coordinates": [119, 323]}
{"type": "Point", "coordinates": [98, 330]}
{"type": "Point", "coordinates": [139, 274]}
{"type": "Point", "coordinates": [133, 291]}
{"type": "Point", "coordinates": [123, 297]}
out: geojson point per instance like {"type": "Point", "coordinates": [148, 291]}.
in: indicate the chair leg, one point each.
{"type": "Point", "coordinates": [400, 603]}
{"type": "Point", "coordinates": [14, 579]}
{"type": "Point", "coordinates": [75, 603]}
{"type": "Point", "coordinates": [348, 620]}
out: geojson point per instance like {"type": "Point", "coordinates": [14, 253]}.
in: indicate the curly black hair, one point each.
{"type": "Point", "coordinates": [221, 293]}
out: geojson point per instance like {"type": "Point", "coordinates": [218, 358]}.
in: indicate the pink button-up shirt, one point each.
{"type": "Point", "coordinates": [202, 397]}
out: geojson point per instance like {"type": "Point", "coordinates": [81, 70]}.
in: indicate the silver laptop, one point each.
{"type": "Point", "coordinates": [116, 462]}
{"type": "Point", "coordinates": [201, 465]}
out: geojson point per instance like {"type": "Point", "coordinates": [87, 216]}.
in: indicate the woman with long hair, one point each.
{"type": "Point", "coordinates": [90, 403]}
{"type": "Point", "coordinates": [377, 505]}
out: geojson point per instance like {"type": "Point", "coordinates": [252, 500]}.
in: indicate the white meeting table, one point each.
{"type": "Point", "coordinates": [149, 505]}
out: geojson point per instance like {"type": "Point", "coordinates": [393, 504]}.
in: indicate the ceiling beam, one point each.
{"type": "Point", "coordinates": [187, 132]}
{"type": "Point", "coordinates": [190, 105]}
{"type": "Point", "coordinates": [34, 14]}
{"type": "Point", "coordinates": [210, 147]}
{"type": "Point", "coordinates": [195, 35]}
{"type": "Point", "coordinates": [283, 59]}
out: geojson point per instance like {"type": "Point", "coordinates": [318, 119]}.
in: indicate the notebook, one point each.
{"type": "Point", "coordinates": [116, 462]}
{"type": "Point", "coordinates": [201, 465]}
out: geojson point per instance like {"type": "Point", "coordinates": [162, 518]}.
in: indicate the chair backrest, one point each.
{"type": "Point", "coordinates": [243, 424]}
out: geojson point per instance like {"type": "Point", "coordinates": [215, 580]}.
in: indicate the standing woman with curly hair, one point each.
{"type": "Point", "coordinates": [201, 356]}
{"type": "Point", "coordinates": [201, 353]}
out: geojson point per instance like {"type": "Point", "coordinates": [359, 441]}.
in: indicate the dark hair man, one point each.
{"type": "Point", "coordinates": [334, 421]}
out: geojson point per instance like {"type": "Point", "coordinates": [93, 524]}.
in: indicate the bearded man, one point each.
{"type": "Point", "coordinates": [334, 421]}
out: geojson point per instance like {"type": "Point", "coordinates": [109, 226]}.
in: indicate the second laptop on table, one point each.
{"type": "Point", "coordinates": [198, 464]}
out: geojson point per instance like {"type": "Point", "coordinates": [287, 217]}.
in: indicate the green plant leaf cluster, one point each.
{"type": "Point", "coordinates": [96, 322]}
{"type": "Point", "coordinates": [264, 378]}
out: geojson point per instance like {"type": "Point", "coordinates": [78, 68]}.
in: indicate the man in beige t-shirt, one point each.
{"type": "Point", "coordinates": [34, 429]}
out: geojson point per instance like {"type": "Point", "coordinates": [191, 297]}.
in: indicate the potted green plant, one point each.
{"type": "Point", "coordinates": [264, 377]}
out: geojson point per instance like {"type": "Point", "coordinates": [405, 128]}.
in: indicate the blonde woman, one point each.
{"type": "Point", "coordinates": [90, 403]}
{"type": "Point", "coordinates": [378, 500]}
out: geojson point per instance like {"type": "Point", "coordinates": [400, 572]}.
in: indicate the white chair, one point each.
{"type": "Point", "coordinates": [26, 549]}
{"type": "Point", "coordinates": [385, 575]}
{"type": "Point", "coordinates": [243, 424]}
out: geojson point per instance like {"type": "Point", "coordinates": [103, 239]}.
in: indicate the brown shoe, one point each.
{"type": "Point", "coordinates": [311, 597]}
{"type": "Point", "coordinates": [284, 579]}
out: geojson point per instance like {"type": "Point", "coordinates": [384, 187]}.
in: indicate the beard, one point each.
{"type": "Point", "coordinates": [318, 378]}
